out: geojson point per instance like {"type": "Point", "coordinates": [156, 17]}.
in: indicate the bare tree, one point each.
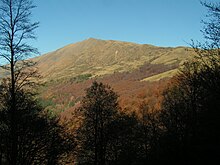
{"type": "Point", "coordinates": [16, 29]}
{"type": "Point", "coordinates": [208, 52]}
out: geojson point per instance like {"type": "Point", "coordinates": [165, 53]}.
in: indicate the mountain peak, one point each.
{"type": "Point", "coordinates": [92, 39]}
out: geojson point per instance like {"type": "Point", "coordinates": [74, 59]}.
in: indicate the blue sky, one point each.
{"type": "Point", "coordinates": [158, 22]}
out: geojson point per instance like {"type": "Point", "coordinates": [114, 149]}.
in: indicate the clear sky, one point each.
{"type": "Point", "coordinates": [158, 22]}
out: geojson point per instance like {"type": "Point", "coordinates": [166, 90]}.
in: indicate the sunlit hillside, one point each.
{"type": "Point", "coordinates": [94, 57]}
{"type": "Point", "coordinates": [136, 72]}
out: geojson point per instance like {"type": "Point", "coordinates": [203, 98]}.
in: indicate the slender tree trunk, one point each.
{"type": "Point", "coordinates": [13, 98]}
{"type": "Point", "coordinates": [13, 132]}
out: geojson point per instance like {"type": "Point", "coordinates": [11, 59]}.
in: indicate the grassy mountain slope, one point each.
{"type": "Point", "coordinates": [100, 57]}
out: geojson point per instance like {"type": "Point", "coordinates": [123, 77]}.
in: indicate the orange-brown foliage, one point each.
{"type": "Point", "coordinates": [132, 92]}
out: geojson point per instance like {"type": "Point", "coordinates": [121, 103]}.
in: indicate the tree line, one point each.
{"type": "Point", "coordinates": [184, 131]}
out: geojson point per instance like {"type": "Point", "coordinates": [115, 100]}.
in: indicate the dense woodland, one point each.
{"type": "Point", "coordinates": [171, 121]}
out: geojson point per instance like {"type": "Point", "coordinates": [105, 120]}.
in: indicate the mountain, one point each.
{"type": "Point", "coordinates": [137, 72]}
{"type": "Point", "coordinates": [95, 57]}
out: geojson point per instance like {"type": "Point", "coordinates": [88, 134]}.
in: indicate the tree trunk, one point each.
{"type": "Point", "coordinates": [13, 132]}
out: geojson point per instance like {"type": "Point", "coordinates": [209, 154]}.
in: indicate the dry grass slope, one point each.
{"type": "Point", "coordinates": [101, 57]}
